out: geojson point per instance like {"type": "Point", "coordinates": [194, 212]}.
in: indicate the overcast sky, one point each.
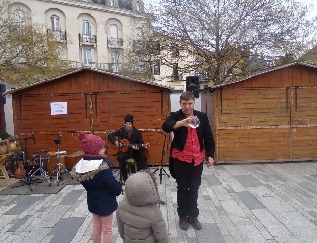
{"type": "Point", "coordinates": [314, 7]}
{"type": "Point", "coordinates": [307, 2]}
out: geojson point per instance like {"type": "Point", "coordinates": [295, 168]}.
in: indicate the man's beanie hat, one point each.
{"type": "Point", "coordinates": [90, 144]}
{"type": "Point", "coordinates": [129, 118]}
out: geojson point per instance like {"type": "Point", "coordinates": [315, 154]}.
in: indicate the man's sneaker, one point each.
{"type": "Point", "coordinates": [195, 223]}
{"type": "Point", "coordinates": [183, 223]}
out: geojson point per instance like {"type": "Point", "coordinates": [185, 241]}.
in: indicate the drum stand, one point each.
{"type": "Point", "coordinates": [26, 179]}
{"type": "Point", "coordinates": [58, 167]}
{"type": "Point", "coordinates": [43, 172]}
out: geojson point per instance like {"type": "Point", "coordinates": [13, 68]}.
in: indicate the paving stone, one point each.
{"type": "Point", "coordinates": [193, 240]}
{"type": "Point", "coordinates": [288, 239]}
{"type": "Point", "coordinates": [37, 235]}
{"type": "Point", "coordinates": [210, 233]}
{"type": "Point", "coordinates": [65, 229]}
{"type": "Point", "coordinates": [229, 190]}
{"type": "Point", "coordinates": [22, 203]}
{"type": "Point", "coordinates": [300, 226]}
{"type": "Point", "coordinates": [230, 180]}
{"type": "Point", "coordinates": [71, 197]}
{"type": "Point", "coordinates": [250, 200]}
{"type": "Point", "coordinates": [248, 181]}
{"type": "Point", "coordinates": [212, 180]}
{"type": "Point", "coordinates": [238, 203]}
{"type": "Point", "coordinates": [313, 213]}
{"type": "Point", "coordinates": [234, 211]}
{"type": "Point", "coordinates": [249, 232]}
{"type": "Point", "coordinates": [221, 193]}
{"type": "Point", "coordinates": [308, 186]}
{"type": "Point", "coordinates": [54, 215]}
{"type": "Point", "coordinates": [219, 167]}
{"type": "Point", "coordinates": [18, 223]}
{"type": "Point", "coordinates": [271, 223]}
{"type": "Point", "coordinates": [207, 197]}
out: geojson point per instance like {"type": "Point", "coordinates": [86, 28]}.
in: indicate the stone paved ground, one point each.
{"type": "Point", "coordinates": [238, 203]}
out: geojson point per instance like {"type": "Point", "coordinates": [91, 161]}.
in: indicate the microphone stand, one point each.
{"type": "Point", "coordinates": [160, 167]}
{"type": "Point", "coordinates": [59, 167]}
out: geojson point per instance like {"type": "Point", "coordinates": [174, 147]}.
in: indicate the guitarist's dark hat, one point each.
{"type": "Point", "coordinates": [129, 118]}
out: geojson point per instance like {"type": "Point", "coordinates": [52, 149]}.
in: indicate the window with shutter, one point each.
{"type": "Point", "coordinates": [55, 23]}
{"type": "Point", "coordinates": [86, 31]}
{"type": "Point", "coordinates": [115, 61]}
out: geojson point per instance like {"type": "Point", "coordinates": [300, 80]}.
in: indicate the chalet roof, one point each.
{"type": "Point", "coordinates": [260, 73]}
{"type": "Point", "coordinates": [94, 70]}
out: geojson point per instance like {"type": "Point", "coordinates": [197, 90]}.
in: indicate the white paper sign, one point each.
{"type": "Point", "coordinates": [58, 108]}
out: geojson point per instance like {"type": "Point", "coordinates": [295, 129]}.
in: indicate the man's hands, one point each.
{"type": "Point", "coordinates": [117, 144]}
{"type": "Point", "coordinates": [136, 147]}
{"type": "Point", "coordinates": [210, 162]}
{"type": "Point", "coordinates": [182, 123]}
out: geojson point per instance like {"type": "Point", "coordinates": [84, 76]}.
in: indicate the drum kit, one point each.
{"type": "Point", "coordinates": [8, 151]}
{"type": "Point", "coordinates": [29, 172]}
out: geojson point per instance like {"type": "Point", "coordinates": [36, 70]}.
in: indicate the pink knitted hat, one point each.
{"type": "Point", "coordinates": [90, 144]}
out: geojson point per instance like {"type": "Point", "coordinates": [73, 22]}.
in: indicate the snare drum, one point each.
{"type": "Point", "coordinates": [72, 159]}
{"type": "Point", "coordinates": [53, 162]}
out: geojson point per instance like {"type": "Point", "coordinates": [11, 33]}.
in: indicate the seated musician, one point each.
{"type": "Point", "coordinates": [134, 138]}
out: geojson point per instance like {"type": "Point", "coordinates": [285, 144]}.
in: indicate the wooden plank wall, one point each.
{"type": "Point", "coordinates": [252, 125]}
{"type": "Point", "coordinates": [270, 117]}
{"type": "Point", "coordinates": [304, 124]}
{"type": "Point", "coordinates": [96, 103]}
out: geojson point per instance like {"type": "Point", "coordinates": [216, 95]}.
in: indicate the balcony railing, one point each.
{"type": "Point", "coordinates": [115, 42]}
{"type": "Point", "coordinates": [120, 4]}
{"type": "Point", "coordinates": [58, 34]}
{"type": "Point", "coordinates": [87, 39]}
{"type": "Point", "coordinates": [109, 67]}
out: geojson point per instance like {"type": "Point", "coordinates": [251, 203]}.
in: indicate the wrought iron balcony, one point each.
{"type": "Point", "coordinates": [58, 34]}
{"type": "Point", "coordinates": [87, 39]}
{"type": "Point", "coordinates": [109, 67]}
{"type": "Point", "coordinates": [115, 42]}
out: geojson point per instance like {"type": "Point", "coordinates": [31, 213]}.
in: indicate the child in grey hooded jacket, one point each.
{"type": "Point", "coordinates": [139, 216]}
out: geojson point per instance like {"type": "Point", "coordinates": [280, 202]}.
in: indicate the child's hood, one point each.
{"type": "Point", "coordinates": [141, 190]}
{"type": "Point", "coordinates": [87, 169]}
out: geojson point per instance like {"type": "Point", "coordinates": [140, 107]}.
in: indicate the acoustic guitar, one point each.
{"type": "Point", "coordinates": [126, 146]}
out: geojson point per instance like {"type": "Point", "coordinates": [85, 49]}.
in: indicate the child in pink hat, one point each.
{"type": "Point", "coordinates": [93, 172]}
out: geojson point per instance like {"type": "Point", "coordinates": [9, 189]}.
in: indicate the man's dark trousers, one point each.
{"type": "Point", "coordinates": [188, 179]}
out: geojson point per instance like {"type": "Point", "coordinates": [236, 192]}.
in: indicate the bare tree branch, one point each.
{"type": "Point", "coordinates": [26, 53]}
{"type": "Point", "coordinates": [234, 37]}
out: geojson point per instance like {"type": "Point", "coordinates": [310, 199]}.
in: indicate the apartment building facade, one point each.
{"type": "Point", "coordinates": [173, 61]}
{"type": "Point", "coordinates": [99, 33]}
{"type": "Point", "coordinates": [91, 33]}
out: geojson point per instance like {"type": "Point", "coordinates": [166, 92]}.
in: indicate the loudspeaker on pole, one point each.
{"type": "Point", "coordinates": [193, 85]}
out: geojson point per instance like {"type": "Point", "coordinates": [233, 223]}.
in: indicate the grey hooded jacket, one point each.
{"type": "Point", "coordinates": [139, 216]}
